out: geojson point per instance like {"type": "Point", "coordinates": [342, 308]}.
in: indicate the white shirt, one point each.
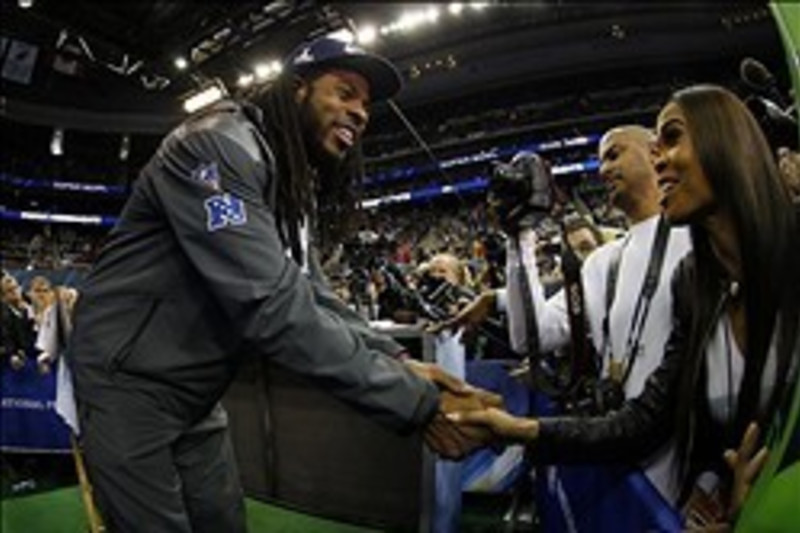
{"type": "Point", "coordinates": [725, 370]}
{"type": "Point", "coordinates": [553, 319]}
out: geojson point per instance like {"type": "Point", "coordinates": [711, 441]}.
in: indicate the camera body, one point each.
{"type": "Point", "coordinates": [521, 187]}
{"type": "Point", "coordinates": [595, 397]}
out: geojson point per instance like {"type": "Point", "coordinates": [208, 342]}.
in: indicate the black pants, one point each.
{"type": "Point", "coordinates": [149, 476]}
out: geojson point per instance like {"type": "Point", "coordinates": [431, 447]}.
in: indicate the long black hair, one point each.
{"type": "Point", "coordinates": [323, 194]}
{"type": "Point", "coordinates": [738, 162]}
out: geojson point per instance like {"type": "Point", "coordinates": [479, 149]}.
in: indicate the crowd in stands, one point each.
{"type": "Point", "coordinates": [405, 239]}
{"type": "Point", "coordinates": [33, 246]}
{"type": "Point", "coordinates": [444, 126]}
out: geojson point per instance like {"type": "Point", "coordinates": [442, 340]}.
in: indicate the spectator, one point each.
{"type": "Point", "coordinates": [17, 323]}
{"type": "Point", "coordinates": [736, 294]}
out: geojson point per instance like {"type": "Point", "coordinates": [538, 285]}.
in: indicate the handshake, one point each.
{"type": "Point", "coordinates": [468, 418]}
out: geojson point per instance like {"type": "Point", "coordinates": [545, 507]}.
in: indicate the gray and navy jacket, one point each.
{"type": "Point", "coordinates": [195, 277]}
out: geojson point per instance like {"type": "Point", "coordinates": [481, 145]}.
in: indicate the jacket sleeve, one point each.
{"type": "Point", "coordinates": [641, 425]}
{"type": "Point", "coordinates": [209, 181]}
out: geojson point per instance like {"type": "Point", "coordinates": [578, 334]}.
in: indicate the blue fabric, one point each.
{"type": "Point", "coordinates": [589, 498]}
{"type": "Point", "coordinates": [597, 499]}
{"type": "Point", "coordinates": [489, 470]}
{"type": "Point", "coordinates": [447, 506]}
{"type": "Point", "coordinates": [28, 421]}
{"type": "Point", "coordinates": [569, 498]}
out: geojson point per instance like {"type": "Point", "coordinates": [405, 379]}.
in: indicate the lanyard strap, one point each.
{"type": "Point", "coordinates": [531, 324]}
{"type": "Point", "coordinates": [642, 308]}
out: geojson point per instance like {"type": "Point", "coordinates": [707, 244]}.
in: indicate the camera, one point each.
{"type": "Point", "coordinates": [520, 187]}
{"type": "Point", "coordinates": [595, 397]}
{"type": "Point", "coordinates": [778, 125]}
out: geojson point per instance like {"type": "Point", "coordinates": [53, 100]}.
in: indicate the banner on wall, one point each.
{"type": "Point", "coordinates": [28, 419]}
{"type": "Point", "coordinates": [20, 62]}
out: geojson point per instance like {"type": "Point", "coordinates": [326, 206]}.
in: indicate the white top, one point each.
{"type": "Point", "coordinates": [725, 368]}
{"type": "Point", "coordinates": [553, 319]}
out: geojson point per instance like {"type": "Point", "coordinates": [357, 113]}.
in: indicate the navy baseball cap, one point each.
{"type": "Point", "coordinates": [325, 52]}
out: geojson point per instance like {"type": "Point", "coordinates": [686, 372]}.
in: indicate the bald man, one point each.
{"type": "Point", "coordinates": [638, 323]}
{"type": "Point", "coordinates": [628, 323]}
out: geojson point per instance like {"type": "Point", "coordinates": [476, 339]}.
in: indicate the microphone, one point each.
{"type": "Point", "coordinates": [758, 77]}
{"type": "Point", "coordinates": [755, 74]}
{"type": "Point", "coordinates": [773, 110]}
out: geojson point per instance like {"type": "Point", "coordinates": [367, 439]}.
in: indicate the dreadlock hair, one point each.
{"type": "Point", "coordinates": [323, 194]}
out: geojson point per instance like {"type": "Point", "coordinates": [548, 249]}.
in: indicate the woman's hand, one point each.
{"type": "Point", "coordinates": [746, 463]}
{"type": "Point", "coordinates": [504, 426]}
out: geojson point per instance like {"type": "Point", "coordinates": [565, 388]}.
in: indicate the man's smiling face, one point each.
{"type": "Point", "coordinates": [334, 110]}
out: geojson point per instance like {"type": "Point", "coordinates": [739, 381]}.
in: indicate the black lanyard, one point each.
{"type": "Point", "coordinates": [531, 323]}
{"type": "Point", "coordinates": [642, 308]}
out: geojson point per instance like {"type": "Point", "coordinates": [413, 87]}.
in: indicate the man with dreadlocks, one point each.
{"type": "Point", "coordinates": [209, 263]}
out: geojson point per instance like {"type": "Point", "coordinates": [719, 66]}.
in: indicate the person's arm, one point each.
{"type": "Point", "coordinates": [228, 232]}
{"type": "Point", "coordinates": [551, 314]}
{"type": "Point", "coordinates": [626, 435]}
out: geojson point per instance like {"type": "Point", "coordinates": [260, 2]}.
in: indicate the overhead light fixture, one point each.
{"type": "Point", "coordinates": [181, 63]}
{"type": "Point", "coordinates": [267, 71]}
{"type": "Point", "coordinates": [367, 35]}
{"type": "Point", "coordinates": [206, 96]}
{"type": "Point", "coordinates": [57, 142]}
{"type": "Point", "coordinates": [125, 148]}
{"type": "Point", "coordinates": [25, 4]}
{"type": "Point", "coordinates": [455, 8]}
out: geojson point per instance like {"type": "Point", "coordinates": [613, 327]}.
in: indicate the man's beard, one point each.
{"type": "Point", "coordinates": [325, 162]}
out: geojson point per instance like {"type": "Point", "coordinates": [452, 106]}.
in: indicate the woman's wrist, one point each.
{"type": "Point", "coordinates": [527, 429]}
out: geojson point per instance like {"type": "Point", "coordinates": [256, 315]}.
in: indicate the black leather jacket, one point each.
{"type": "Point", "coordinates": [646, 422]}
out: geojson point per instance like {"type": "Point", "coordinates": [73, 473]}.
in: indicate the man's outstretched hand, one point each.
{"type": "Point", "coordinates": [441, 434]}
{"type": "Point", "coordinates": [454, 389]}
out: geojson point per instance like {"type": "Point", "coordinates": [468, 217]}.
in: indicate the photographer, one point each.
{"type": "Point", "coordinates": [628, 317]}
{"type": "Point", "coordinates": [730, 366]}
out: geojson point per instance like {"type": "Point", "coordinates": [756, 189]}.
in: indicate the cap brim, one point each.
{"type": "Point", "coordinates": [384, 80]}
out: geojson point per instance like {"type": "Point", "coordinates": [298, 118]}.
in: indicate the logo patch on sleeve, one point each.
{"type": "Point", "coordinates": [208, 174]}
{"type": "Point", "coordinates": [224, 210]}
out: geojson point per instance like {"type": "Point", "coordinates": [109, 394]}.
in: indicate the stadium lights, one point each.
{"type": "Point", "coordinates": [245, 80]}
{"type": "Point", "coordinates": [455, 8]}
{"type": "Point", "coordinates": [125, 148]}
{"type": "Point", "coordinates": [267, 71]}
{"type": "Point", "coordinates": [367, 35]}
{"type": "Point", "coordinates": [57, 142]}
{"type": "Point", "coordinates": [205, 97]}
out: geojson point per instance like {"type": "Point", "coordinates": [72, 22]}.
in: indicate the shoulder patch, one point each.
{"type": "Point", "coordinates": [224, 210]}
{"type": "Point", "coordinates": [208, 174]}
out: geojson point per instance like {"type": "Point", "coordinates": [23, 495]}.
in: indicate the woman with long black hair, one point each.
{"type": "Point", "coordinates": [732, 357]}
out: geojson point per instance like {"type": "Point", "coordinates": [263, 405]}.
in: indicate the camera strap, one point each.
{"type": "Point", "coordinates": [532, 328]}
{"type": "Point", "coordinates": [581, 356]}
{"type": "Point", "coordinates": [642, 308]}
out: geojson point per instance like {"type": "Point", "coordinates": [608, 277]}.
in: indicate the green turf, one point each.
{"type": "Point", "coordinates": [61, 511]}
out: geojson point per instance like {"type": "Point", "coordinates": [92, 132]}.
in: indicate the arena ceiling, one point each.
{"type": "Point", "coordinates": [103, 65]}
